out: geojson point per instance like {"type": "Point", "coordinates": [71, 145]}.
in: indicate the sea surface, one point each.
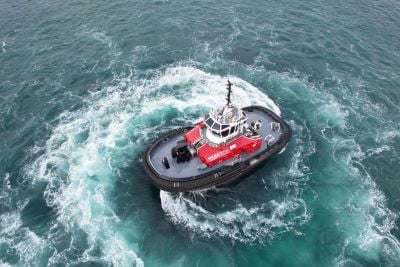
{"type": "Point", "coordinates": [85, 86]}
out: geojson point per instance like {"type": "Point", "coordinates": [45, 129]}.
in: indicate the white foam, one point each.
{"type": "Point", "coordinates": [25, 242]}
{"type": "Point", "coordinates": [239, 223]}
{"type": "Point", "coordinates": [5, 194]}
{"type": "Point", "coordinates": [378, 225]}
{"type": "Point", "coordinates": [333, 113]}
{"type": "Point", "coordinates": [378, 150]}
{"type": "Point", "coordinates": [302, 152]}
{"type": "Point", "coordinates": [372, 221]}
{"type": "Point", "coordinates": [386, 136]}
{"type": "Point", "coordinates": [206, 90]}
{"type": "Point", "coordinates": [81, 179]}
{"type": "Point", "coordinates": [372, 225]}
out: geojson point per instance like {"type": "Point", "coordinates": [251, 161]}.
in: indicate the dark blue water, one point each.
{"type": "Point", "coordinates": [85, 86]}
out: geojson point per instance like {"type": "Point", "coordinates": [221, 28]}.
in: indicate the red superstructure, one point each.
{"type": "Point", "coordinates": [193, 136]}
{"type": "Point", "coordinates": [211, 154]}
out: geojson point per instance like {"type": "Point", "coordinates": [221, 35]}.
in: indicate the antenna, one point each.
{"type": "Point", "coordinates": [228, 97]}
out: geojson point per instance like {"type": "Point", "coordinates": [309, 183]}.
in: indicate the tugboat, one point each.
{"type": "Point", "coordinates": [216, 151]}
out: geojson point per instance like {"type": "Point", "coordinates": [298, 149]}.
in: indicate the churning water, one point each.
{"type": "Point", "coordinates": [85, 87]}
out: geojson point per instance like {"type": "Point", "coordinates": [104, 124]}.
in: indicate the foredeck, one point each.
{"type": "Point", "coordinates": [190, 169]}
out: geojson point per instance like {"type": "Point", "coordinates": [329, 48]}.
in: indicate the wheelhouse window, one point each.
{"type": "Point", "coordinates": [224, 126]}
{"type": "Point", "coordinates": [216, 126]}
{"type": "Point", "coordinates": [209, 122]}
{"type": "Point", "coordinates": [225, 133]}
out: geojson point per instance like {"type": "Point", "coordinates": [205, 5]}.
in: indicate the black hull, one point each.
{"type": "Point", "coordinates": [223, 176]}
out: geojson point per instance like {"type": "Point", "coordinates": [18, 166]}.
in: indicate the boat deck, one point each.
{"type": "Point", "coordinates": [190, 169]}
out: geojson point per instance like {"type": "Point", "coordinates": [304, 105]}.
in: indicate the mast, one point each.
{"type": "Point", "coordinates": [228, 97]}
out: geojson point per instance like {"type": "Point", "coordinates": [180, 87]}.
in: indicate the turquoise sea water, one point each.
{"type": "Point", "coordinates": [85, 86]}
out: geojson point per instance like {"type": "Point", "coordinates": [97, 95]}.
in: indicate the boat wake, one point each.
{"type": "Point", "coordinates": [239, 223]}
{"type": "Point", "coordinates": [81, 159]}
